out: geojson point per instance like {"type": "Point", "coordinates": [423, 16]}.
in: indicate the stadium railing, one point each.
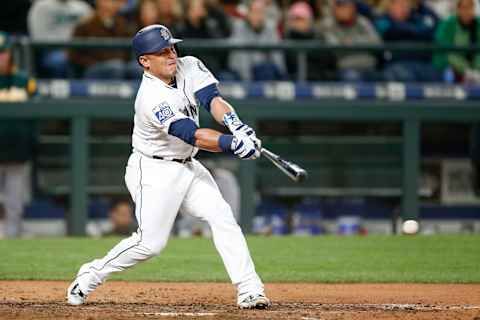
{"type": "Point", "coordinates": [194, 46]}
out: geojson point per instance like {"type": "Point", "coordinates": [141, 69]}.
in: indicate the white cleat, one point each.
{"type": "Point", "coordinates": [254, 301]}
{"type": "Point", "coordinates": [75, 296]}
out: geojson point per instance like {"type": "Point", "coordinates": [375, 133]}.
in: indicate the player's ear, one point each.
{"type": "Point", "coordinates": [144, 61]}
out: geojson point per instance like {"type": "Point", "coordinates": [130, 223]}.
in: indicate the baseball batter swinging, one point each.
{"type": "Point", "coordinates": [162, 174]}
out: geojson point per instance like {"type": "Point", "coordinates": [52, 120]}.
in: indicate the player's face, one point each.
{"type": "Point", "coordinates": [162, 64]}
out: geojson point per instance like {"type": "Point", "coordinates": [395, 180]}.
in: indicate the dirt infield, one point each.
{"type": "Point", "coordinates": [140, 300]}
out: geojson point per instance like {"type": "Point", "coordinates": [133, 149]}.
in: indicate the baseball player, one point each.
{"type": "Point", "coordinates": [163, 176]}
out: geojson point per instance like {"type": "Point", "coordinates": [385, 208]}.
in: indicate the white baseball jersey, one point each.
{"type": "Point", "coordinates": [158, 105]}
{"type": "Point", "coordinates": [162, 188]}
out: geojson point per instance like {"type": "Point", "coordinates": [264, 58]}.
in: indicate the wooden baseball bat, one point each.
{"type": "Point", "coordinates": [292, 170]}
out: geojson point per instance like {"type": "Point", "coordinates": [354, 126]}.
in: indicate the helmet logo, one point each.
{"type": "Point", "coordinates": [165, 34]}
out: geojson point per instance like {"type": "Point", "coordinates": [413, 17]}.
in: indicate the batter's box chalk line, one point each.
{"type": "Point", "coordinates": [179, 314]}
{"type": "Point", "coordinates": [392, 307]}
{"type": "Point", "coordinates": [424, 307]}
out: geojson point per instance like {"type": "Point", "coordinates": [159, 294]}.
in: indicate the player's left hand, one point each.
{"type": "Point", "coordinates": [240, 129]}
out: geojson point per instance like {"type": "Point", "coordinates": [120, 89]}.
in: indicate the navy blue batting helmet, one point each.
{"type": "Point", "coordinates": [151, 39]}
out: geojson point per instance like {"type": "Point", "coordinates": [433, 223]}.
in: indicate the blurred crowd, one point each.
{"type": "Point", "coordinates": [337, 22]}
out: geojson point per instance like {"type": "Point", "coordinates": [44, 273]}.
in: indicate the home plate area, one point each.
{"type": "Point", "coordinates": [305, 301]}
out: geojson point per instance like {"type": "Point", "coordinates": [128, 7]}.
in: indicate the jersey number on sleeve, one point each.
{"type": "Point", "coordinates": [163, 112]}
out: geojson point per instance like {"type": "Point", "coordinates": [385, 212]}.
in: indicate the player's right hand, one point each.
{"type": "Point", "coordinates": [244, 148]}
{"type": "Point", "coordinates": [257, 142]}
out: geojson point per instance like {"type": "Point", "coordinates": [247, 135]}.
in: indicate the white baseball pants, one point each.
{"type": "Point", "coordinates": [160, 189]}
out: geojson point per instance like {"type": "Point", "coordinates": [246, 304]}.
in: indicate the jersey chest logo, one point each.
{"type": "Point", "coordinates": [190, 111]}
{"type": "Point", "coordinates": [163, 112]}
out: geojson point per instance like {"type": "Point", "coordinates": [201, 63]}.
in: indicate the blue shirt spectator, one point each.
{"type": "Point", "coordinates": [403, 23]}
{"type": "Point", "coordinates": [426, 14]}
{"type": "Point", "coordinates": [365, 10]}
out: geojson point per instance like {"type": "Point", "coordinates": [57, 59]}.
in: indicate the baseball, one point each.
{"type": "Point", "coordinates": [410, 227]}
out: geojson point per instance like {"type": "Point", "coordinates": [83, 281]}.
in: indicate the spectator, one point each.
{"type": "Point", "coordinates": [442, 8]}
{"type": "Point", "coordinates": [15, 85]}
{"type": "Point", "coordinates": [147, 14]}
{"type": "Point", "coordinates": [374, 5]}
{"type": "Point", "coordinates": [102, 64]}
{"type": "Point", "coordinates": [55, 20]}
{"type": "Point", "coordinates": [346, 27]}
{"type": "Point", "coordinates": [218, 19]}
{"type": "Point", "coordinates": [300, 26]}
{"type": "Point", "coordinates": [120, 221]}
{"type": "Point", "coordinates": [194, 24]}
{"type": "Point", "coordinates": [202, 22]}
{"type": "Point", "coordinates": [425, 13]}
{"type": "Point", "coordinates": [318, 8]}
{"type": "Point", "coordinates": [16, 141]}
{"type": "Point", "coordinates": [273, 13]}
{"type": "Point", "coordinates": [367, 10]}
{"type": "Point", "coordinates": [232, 9]}
{"type": "Point", "coordinates": [129, 8]}
{"type": "Point", "coordinates": [402, 24]}
{"type": "Point", "coordinates": [256, 65]}
{"type": "Point", "coordinates": [461, 29]}
{"type": "Point", "coordinates": [169, 12]}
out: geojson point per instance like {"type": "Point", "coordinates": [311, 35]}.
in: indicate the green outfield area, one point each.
{"type": "Point", "coordinates": [329, 259]}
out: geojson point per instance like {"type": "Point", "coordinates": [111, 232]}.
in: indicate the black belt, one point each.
{"type": "Point", "coordinates": [176, 160]}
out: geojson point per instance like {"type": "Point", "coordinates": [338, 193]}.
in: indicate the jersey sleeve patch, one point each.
{"type": "Point", "coordinates": [163, 112]}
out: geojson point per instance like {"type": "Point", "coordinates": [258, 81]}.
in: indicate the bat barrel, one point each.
{"type": "Point", "coordinates": [293, 171]}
